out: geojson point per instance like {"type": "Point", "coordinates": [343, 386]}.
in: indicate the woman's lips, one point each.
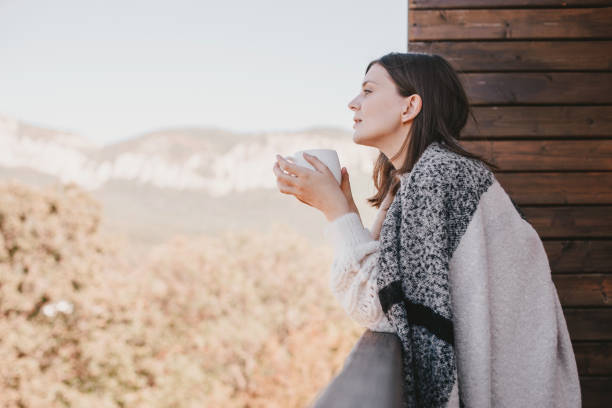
{"type": "Point", "coordinates": [356, 122]}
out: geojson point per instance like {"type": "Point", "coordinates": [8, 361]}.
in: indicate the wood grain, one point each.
{"type": "Point", "coordinates": [589, 324]}
{"type": "Point", "coordinates": [545, 155]}
{"type": "Point", "coordinates": [515, 56]}
{"type": "Point", "coordinates": [571, 222]}
{"type": "Point", "coordinates": [557, 188]}
{"type": "Point", "coordinates": [553, 88]}
{"type": "Point", "coordinates": [449, 4]}
{"type": "Point", "coordinates": [490, 24]}
{"type": "Point", "coordinates": [596, 391]}
{"type": "Point", "coordinates": [593, 358]}
{"type": "Point", "coordinates": [584, 289]}
{"type": "Point", "coordinates": [579, 256]}
{"type": "Point", "coordinates": [531, 122]}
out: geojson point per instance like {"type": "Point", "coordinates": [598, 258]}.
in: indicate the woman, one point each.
{"type": "Point", "coordinates": [450, 265]}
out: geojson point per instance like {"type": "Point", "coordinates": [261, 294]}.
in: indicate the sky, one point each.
{"type": "Point", "coordinates": [111, 70]}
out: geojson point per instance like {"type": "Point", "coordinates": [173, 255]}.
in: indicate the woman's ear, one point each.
{"type": "Point", "coordinates": [412, 107]}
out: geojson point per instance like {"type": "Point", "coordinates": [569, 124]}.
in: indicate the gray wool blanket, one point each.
{"type": "Point", "coordinates": [464, 280]}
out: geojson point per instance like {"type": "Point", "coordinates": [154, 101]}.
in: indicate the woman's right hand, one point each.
{"type": "Point", "coordinates": [345, 186]}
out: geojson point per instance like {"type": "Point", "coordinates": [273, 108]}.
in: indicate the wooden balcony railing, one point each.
{"type": "Point", "coordinates": [371, 375]}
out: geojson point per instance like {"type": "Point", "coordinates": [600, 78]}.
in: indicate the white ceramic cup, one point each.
{"type": "Point", "coordinates": [328, 156]}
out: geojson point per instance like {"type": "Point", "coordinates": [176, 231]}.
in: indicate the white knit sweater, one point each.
{"type": "Point", "coordinates": [353, 272]}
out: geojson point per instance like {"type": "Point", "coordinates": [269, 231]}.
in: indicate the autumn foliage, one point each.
{"type": "Point", "coordinates": [245, 319]}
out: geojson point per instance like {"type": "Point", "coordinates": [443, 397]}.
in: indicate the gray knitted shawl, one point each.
{"type": "Point", "coordinates": [422, 229]}
{"type": "Point", "coordinates": [464, 280]}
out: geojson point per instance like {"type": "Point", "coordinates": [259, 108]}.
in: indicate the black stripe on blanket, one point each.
{"type": "Point", "coordinates": [417, 313]}
{"type": "Point", "coordinates": [390, 295]}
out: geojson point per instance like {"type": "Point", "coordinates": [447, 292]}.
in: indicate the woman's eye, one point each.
{"type": "Point", "coordinates": [367, 91]}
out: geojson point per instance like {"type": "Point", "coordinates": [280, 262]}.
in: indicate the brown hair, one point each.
{"type": "Point", "coordinates": [444, 113]}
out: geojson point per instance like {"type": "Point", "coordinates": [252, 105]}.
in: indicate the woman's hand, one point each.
{"type": "Point", "coordinates": [317, 188]}
{"type": "Point", "coordinates": [345, 186]}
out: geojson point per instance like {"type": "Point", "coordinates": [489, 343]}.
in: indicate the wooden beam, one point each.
{"type": "Point", "coordinates": [596, 391]}
{"type": "Point", "coordinates": [545, 155]}
{"type": "Point", "coordinates": [571, 222]}
{"type": "Point", "coordinates": [589, 324]}
{"type": "Point", "coordinates": [371, 375]}
{"type": "Point", "coordinates": [553, 88]}
{"type": "Point", "coordinates": [579, 256]}
{"type": "Point", "coordinates": [557, 188]}
{"type": "Point", "coordinates": [531, 122]}
{"type": "Point", "coordinates": [584, 289]}
{"type": "Point", "coordinates": [463, 4]}
{"type": "Point", "coordinates": [510, 56]}
{"type": "Point", "coordinates": [593, 358]}
{"type": "Point", "coordinates": [486, 24]}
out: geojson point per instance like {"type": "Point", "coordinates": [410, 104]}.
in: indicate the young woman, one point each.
{"type": "Point", "coordinates": [445, 227]}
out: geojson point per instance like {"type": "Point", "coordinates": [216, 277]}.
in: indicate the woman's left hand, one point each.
{"type": "Point", "coordinates": [317, 188]}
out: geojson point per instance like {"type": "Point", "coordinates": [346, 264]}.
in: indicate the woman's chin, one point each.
{"type": "Point", "coordinates": [359, 139]}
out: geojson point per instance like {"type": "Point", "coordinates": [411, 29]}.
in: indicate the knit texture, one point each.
{"type": "Point", "coordinates": [422, 228]}
{"type": "Point", "coordinates": [464, 281]}
{"type": "Point", "coordinates": [353, 274]}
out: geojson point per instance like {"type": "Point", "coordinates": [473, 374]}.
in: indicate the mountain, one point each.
{"type": "Point", "coordinates": [183, 180]}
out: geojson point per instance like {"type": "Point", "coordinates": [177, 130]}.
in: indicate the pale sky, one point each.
{"type": "Point", "coordinates": [111, 70]}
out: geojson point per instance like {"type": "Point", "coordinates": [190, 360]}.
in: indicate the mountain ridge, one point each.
{"type": "Point", "coordinates": [214, 160]}
{"type": "Point", "coordinates": [183, 180]}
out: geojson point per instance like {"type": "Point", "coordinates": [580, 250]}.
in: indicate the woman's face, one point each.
{"type": "Point", "coordinates": [378, 111]}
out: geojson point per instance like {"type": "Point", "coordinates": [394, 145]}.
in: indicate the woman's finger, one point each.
{"type": "Point", "coordinates": [287, 179]}
{"type": "Point", "coordinates": [290, 167]}
{"type": "Point", "coordinates": [285, 183]}
{"type": "Point", "coordinates": [317, 164]}
{"type": "Point", "coordinates": [345, 183]}
{"type": "Point", "coordinates": [303, 201]}
{"type": "Point", "coordinates": [290, 189]}
{"type": "Point", "coordinates": [286, 189]}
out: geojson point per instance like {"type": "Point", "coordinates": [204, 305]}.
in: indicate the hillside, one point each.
{"type": "Point", "coordinates": [183, 180]}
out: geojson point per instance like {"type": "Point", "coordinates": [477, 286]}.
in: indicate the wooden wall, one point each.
{"type": "Point", "coordinates": [539, 77]}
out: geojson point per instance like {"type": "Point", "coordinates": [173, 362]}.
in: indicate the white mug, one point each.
{"type": "Point", "coordinates": [328, 156]}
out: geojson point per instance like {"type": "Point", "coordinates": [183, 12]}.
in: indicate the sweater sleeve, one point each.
{"type": "Point", "coordinates": [353, 272]}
